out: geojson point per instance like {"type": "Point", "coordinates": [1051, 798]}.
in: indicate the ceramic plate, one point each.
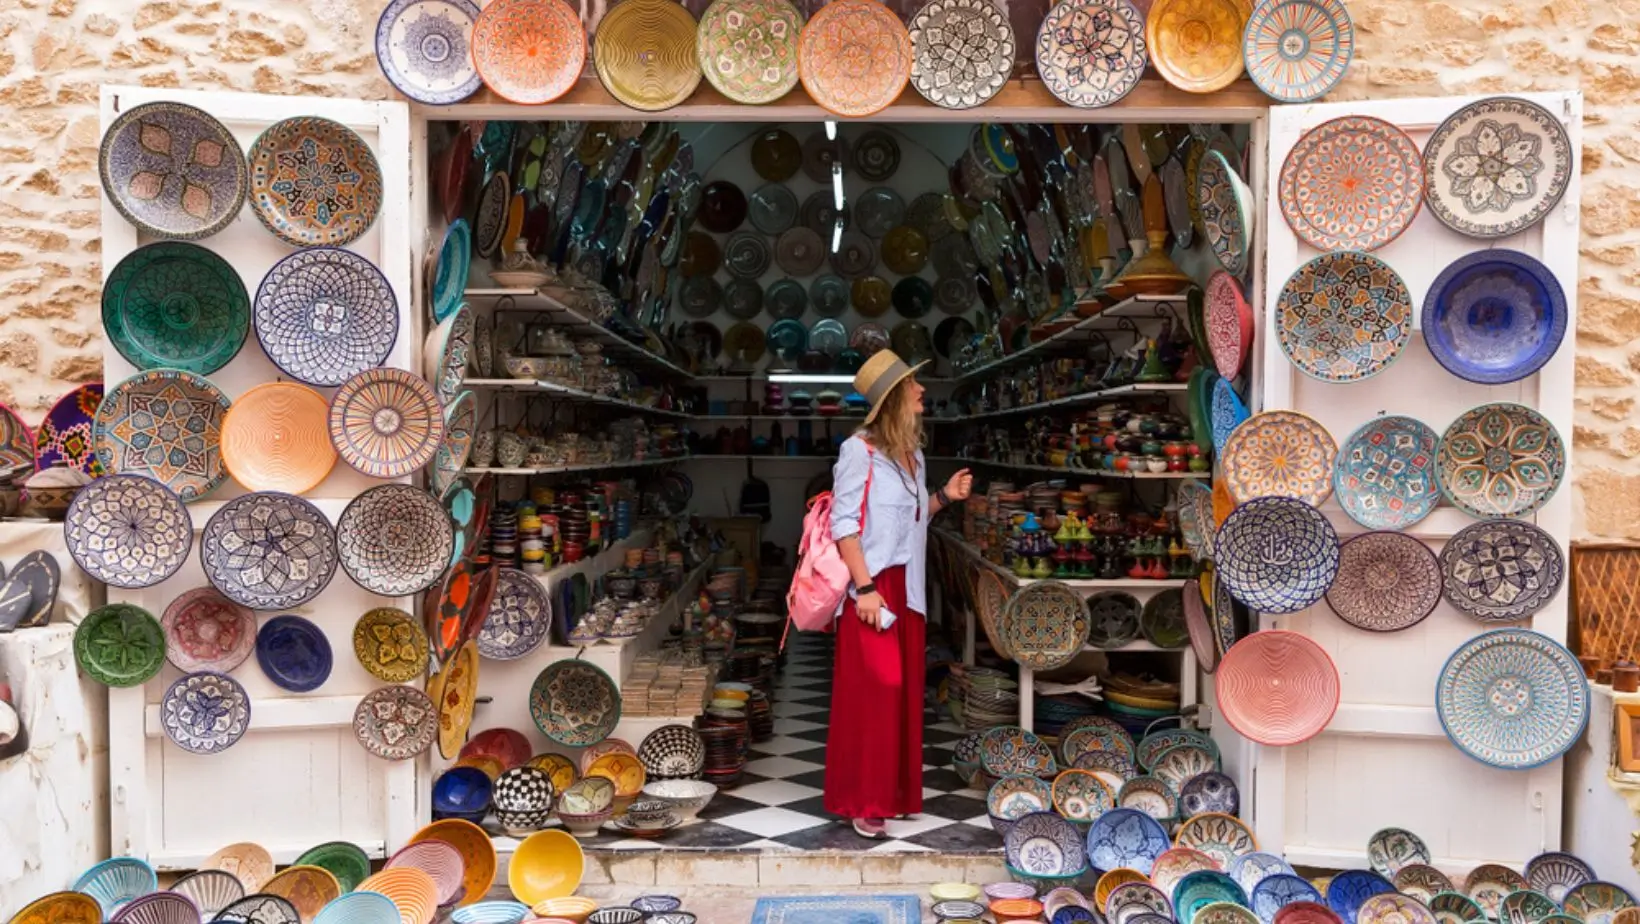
{"type": "Point", "coordinates": [1500, 460]}
{"type": "Point", "coordinates": [1275, 892]}
{"type": "Point", "coordinates": [1387, 581]}
{"type": "Point", "coordinates": [1045, 844]}
{"type": "Point", "coordinates": [274, 438]}
{"type": "Point", "coordinates": [165, 425]}
{"type": "Point", "coordinates": [1091, 53]}
{"type": "Point", "coordinates": [1198, 622]}
{"type": "Point", "coordinates": [1222, 837]}
{"type": "Point", "coordinates": [395, 723]}
{"type": "Point", "coordinates": [1229, 322]}
{"type": "Point", "coordinates": [294, 654]}
{"type": "Point", "coordinates": [1279, 454]}
{"type": "Point", "coordinates": [772, 208]}
{"type": "Point", "coordinates": [128, 531]}
{"type": "Point", "coordinates": [1149, 795]}
{"type": "Point", "coordinates": [1196, 44]}
{"type": "Point", "coordinates": [460, 424]}
{"type": "Point", "coordinates": [490, 220]}
{"type": "Point", "coordinates": [387, 423]}
{"type": "Point", "coordinates": [1014, 796]}
{"type": "Point", "coordinates": [1556, 873]}
{"type": "Point", "coordinates": [1501, 570]}
{"type": "Point", "coordinates": [1137, 902]}
{"type": "Point", "coordinates": [1390, 850]}
{"type": "Point", "coordinates": [1113, 618]}
{"type": "Point", "coordinates": [1512, 698]}
{"type": "Point", "coordinates": [1344, 317]}
{"type": "Point", "coordinates": [268, 551]}
{"type": "Point", "coordinates": [1385, 476]}
{"type": "Point", "coordinates": [1495, 316]}
{"type": "Point", "coordinates": [1046, 625]}
{"type": "Point", "coordinates": [205, 713]}
{"type": "Point", "coordinates": [455, 255]}
{"type": "Point", "coordinates": [748, 51]}
{"type": "Point", "coordinates": [1277, 555]}
{"type": "Point", "coordinates": [1422, 881]}
{"type": "Point", "coordinates": [1207, 793]}
{"type": "Point", "coordinates": [1277, 688]}
{"type": "Point", "coordinates": [1080, 796]}
{"type": "Point", "coordinates": [390, 644]}
{"type": "Point", "coordinates": [1226, 209]}
{"type": "Point", "coordinates": [672, 752]}
{"type": "Point", "coordinates": [454, 691]}
{"type": "Point", "coordinates": [16, 441]}
{"type": "Point", "coordinates": [1353, 183]}
{"type": "Point", "coordinates": [64, 437]}
{"type": "Point", "coordinates": [962, 52]}
{"type": "Point", "coordinates": [1009, 749]}
{"type": "Point", "coordinates": [314, 182]}
{"type": "Point", "coordinates": [854, 57]}
{"type": "Point", "coordinates": [1228, 413]}
{"type": "Point", "coordinates": [519, 620]}
{"type": "Point", "coordinates": [173, 171]}
{"type": "Point", "coordinates": [175, 305]}
{"type": "Point", "coordinates": [205, 631]}
{"type": "Point", "coordinates": [1497, 166]}
{"type": "Point", "coordinates": [325, 314]}
{"type": "Point", "coordinates": [445, 354]}
{"type": "Point", "coordinates": [1181, 763]}
{"type": "Point", "coordinates": [529, 51]}
{"type": "Point", "coordinates": [1125, 838]}
{"type": "Point", "coordinates": [1598, 903]}
{"type": "Point", "coordinates": [395, 540]}
{"type": "Point", "coordinates": [575, 703]}
{"type": "Point", "coordinates": [1298, 50]}
{"type": "Point", "coordinates": [645, 55]}
{"type": "Point", "coordinates": [119, 645]}
{"type": "Point", "coordinates": [1394, 908]}
{"type": "Point", "coordinates": [211, 890]}
{"type": "Point", "coordinates": [1349, 890]}
{"type": "Point", "coordinates": [423, 48]}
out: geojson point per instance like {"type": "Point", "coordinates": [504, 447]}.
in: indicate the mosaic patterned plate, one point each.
{"type": "Point", "coordinates": [268, 551]}
{"type": "Point", "coordinates": [529, 51]}
{"type": "Point", "coordinates": [1501, 570]}
{"type": "Point", "coordinates": [645, 53]}
{"type": "Point", "coordinates": [1455, 908]}
{"type": "Point", "coordinates": [173, 171]}
{"type": "Point", "coordinates": [1008, 749]}
{"type": "Point", "coordinates": [165, 425]}
{"type": "Point", "coordinates": [1226, 208]}
{"type": "Point", "coordinates": [854, 57]}
{"type": "Point", "coordinates": [1298, 50]}
{"type": "Point", "coordinates": [205, 712]}
{"type": "Point", "coordinates": [1597, 902]}
{"type": "Point", "coordinates": [423, 49]}
{"type": "Point", "coordinates": [387, 423]}
{"type": "Point", "coordinates": [1495, 316]}
{"type": "Point", "coordinates": [1228, 413]}
{"type": "Point", "coordinates": [1387, 581]}
{"type": "Point", "coordinates": [1080, 796]}
{"type": "Point", "coordinates": [205, 631]}
{"type": "Point", "coordinates": [1394, 908]}
{"type": "Point", "coordinates": [1512, 698]}
{"type": "Point", "coordinates": [176, 305]}
{"type": "Point", "coordinates": [324, 314]}
{"type": "Point", "coordinates": [1181, 763]}
{"type": "Point", "coordinates": [390, 644]}
{"type": "Point", "coordinates": [1137, 903]}
{"type": "Point", "coordinates": [1196, 44]}
{"type": "Point", "coordinates": [1091, 53]}
{"type": "Point", "coordinates": [1500, 460]}
{"type": "Point", "coordinates": [748, 48]}
{"type": "Point", "coordinates": [1385, 475]}
{"type": "Point", "coordinates": [395, 723]}
{"type": "Point", "coordinates": [1046, 625]}
{"type": "Point", "coordinates": [574, 703]}
{"type": "Point", "coordinates": [1354, 183]}
{"type": "Point", "coordinates": [1127, 838]}
{"type": "Point", "coordinates": [64, 437]}
{"type": "Point", "coordinates": [962, 52]}
{"type": "Point", "coordinates": [1229, 322]}
{"type": "Point", "coordinates": [520, 617]}
{"type": "Point", "coordinates": [119, 645]}
{"type": "Point", "coordinates": [1277, 555]}
{"type": "Point", "coordinates": [1220, 836]}
{"type": "Point", "coordinates": [128, 531]}
{"type": "Point", "coordinates": [1422, 881]}
{"type": "Point", "coordinates": [445, 354]}
{"type": "Point", "coordinates": [314, 182]}
{"type": "Point", "coordinates": [1280, 454]}
{"type": "Point", "coordinates": [1497, 167]}
{"type": "Point", "coordinates": [1016, 795]}
{"type": "Point", "coordinates": [1344, 317]}
{"type": "Point", "coordinates": [1045, 844]}
{"type": "Point", "coordinates": [395, 540]}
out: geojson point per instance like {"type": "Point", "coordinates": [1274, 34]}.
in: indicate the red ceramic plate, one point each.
{"type": "Point", "coordinates": [1229, 323]}
{"type": "Point", "coordinates": [1306, 913]}
{"type": "Point", "coordinates": [1277, 688]}
{"type": "Point", "coordinates": [456, 160]}
{"type": "Point", "coordinates": [1200, 624]}
{"type": "Point", "coordinates": [529, 51]}
{"type": "Point", "coordinates": [509, 747]}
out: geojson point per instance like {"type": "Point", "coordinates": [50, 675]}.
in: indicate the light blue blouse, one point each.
{"type": "Point", "coordinates": [894, 533]}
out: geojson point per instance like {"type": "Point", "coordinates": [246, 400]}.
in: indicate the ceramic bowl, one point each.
{"type": "Point", "coordinates": [522, 823]}
{"type": "Point", "coordinates": [115, 882]}
{"type": "Point", "coordinates": [650, 813]}
{"type": "Point", "coordinates": [527, 367]}
{"type": "Point", "coordinates": [687, 797]}
{"type": "Point", "coordinates": [547, 864]}
{"type": "Point", "coordinates": [1044, 884]}
{"type": "Point", "coordinates": [615, 916]}
{"type": "Point", "coordinates": [954, 892]}
{"type": "Point", "coordinates": [1016, 909]}
{"type": "Point", "coordinates": [159, 908]}
{"type": "Point", "coordinates": [1000, 891]}
{"type": "Point", "coordinates": [493, 912]}
{"type": "Point", "coordinates": [461, 791]}
{"type": "Point", "coordinates": [570, 908]}
{"type": "Point", "coordinates": [586, 825]}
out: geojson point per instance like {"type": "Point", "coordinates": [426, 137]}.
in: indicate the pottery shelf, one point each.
{"type": "Point", "coordinates": [564, 315]}
{"type": "Point", "coordinates": [766, 458]}
{"type": "Point", "coordinates": [564, 469]}
{"type": "Point", "coordinates": [1091, 585]}
{"type": "Point", "coordinates": [1137, 389]}
{"type": "Point", "coordinates": [1137, 308]}
{"type": "Point", "coordinates": [574, 395]}
{"type": "Point", "coordinates": [1079, 472]}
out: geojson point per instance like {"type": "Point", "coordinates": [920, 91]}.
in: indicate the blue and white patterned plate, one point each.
{"type": "Point", "coordinates": [1494, 316]}
{"type": "Point", "coordinates": [424, 49]}
{"type": "Point", "coordinates": [268, 551]}
{"type": "Point", "coordinates": [1250, 869]}
{"type": "Point", "coordinates": [128, 531]}
{"type": "Point", "coordinates": [1209, 792]}
{"type": "Point", "coordinates": [1501, 570]}
{"type": "Point", "coordinates": [1126, 837]}
{"type": "Point", "coordinates": [325, 314]}
{"type": "Point", "coordinates": [455, 256]}
{"type": "Point", "coordinates": [1513, 698]}
{"type": "Point", "coordinates": [519, 620]}
{"type": "Point", "coordinates": [1277, 554]}
{"type": "Point", "coordinates": [1228, 413]}
{"type": "Point", "coordinates": [1349, 889]}
{"type": "Point", "coordinates": [173, 170]}
{"type": "Point", "coordinates": [205, 713]}
{"type": "Point", "coordinates": [1044, 844]}
{"type": "Point", "coordinates": [1385, 475]}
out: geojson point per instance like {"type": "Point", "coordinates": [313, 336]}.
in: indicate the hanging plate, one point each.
{"type": "Point", "coordinates": [454, 691]}
{"type": "Point", "coordinates": [1513, 698]}
{"type": "Point", "coordinates": [1501, 570]}
{"type": "Point", "coordinates": [390, 644]}
{"type": "Point", "coordinates": [16, 441]}
{"type": "Point", "coordinates": [1500, 460]}
{"type": "Point", "coordinates": [1277, 688]}
{"type": "Point", "coordinates": [1046, 625]}
{"type": "Point", "coordinates": [455, 255]}
{"type": "Point", "coordinates": [529, 51]}
{"type": "Point", "coordinates": [205, 631]}
{"type": "Point", "coordinates": [1497, 167]}
{"type": "Point", "coordinates": [460, 425]}
{"type": "Point", "coordinates": [128, 531]}
{"type": "Point", "coordinates": [519, 620]}
{"type": "Point", "coordinates": [1353, 183]}
{"type": "Point", "coordinates": [173, 171]}
{"type": "Point", "coordinates": [645, 54]}
{"type": "Point", "coordinates": [314, 182]}
{"type": "Point", "coordinates": [490, 222]}
{"type": "Point", "coordinates": [294, 654]}
{"type": "Point", "coordinates": [423, 49]}
{"type": "Point", "coordinates": [1344, 317]}
{"type": "Point", "coordinates": [1226, 207]}
{"type": "Point", "coordinates": [1091, 53]}
{"type": "Point", "coordinates": [204, 713]}
{"type": "Point", "coordinates": [64, 437]}
{"type": "Point", "coordinates": [324, 314]}
{"type": "Point", "coordinates": [445, 354]}
{"type": "Point", "coordinates": [1386, 582]}
{"type": "Point", "coordinates": [119, 645]}
{"type": "Point", "coordinates": [1495, 316]}
{"type": "Point", "coordinates": [268, 551]}
{"type": "Point", "coordinates": [1228, 413]}
{"type": "Point", "coordinates": [387, 423]}
{"type": "Point", "coordinates": [1229, 322]}
{"type": "Point", "coordinates": [1276, 554]}
{"type": "Point", "coordinates": [1282, 454]}
{"type": "Point", "coordinates": [854, 57]}
{"type": "Point", "coordinates": [165, 425]}
{"type": "Point", "coordinates": [1385, 476]}
{"type": "Point", "coordinates": [1196, 44]}
{"type": "Point", "coordinates": [274, 438]}
{"type": "Point", "coordinates": [772, 209]}
{"type": "Point", "coordinates": [395, 723]}
{"type": "Point", "coordinates": [1298, 50]}
{"type": "Point", "coordinates": [395, 540]}
{"type": "Point", "coordinates": [176, 305]}
{"type": "Point", "coordinates": [748, 50]}
{"type": "Point", "coordinates": [574, 703]}
{"type": "Point", "coordinates": [1198, 621]}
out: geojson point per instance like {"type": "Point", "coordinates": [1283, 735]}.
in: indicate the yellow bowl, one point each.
{"type": "Point", "coordinates": [547, 864]}
{"type": "Point", "coordinates": [569, 908]}
{"type": "Point", "coordinates": [954, 892]}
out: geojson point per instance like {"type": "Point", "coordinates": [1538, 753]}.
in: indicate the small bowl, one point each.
{"type": "Point", "coordinates": [1001, 891]}
{"type": "Point", "coordinates": [546, 865]}
{"type": "Point", "coordinates": [492, 912]}
{"type": "Point", "coordinates": [114, 883]}
{"type": "Point", "coordinates": [519, 279]}
{"type": "Point", "coordinates": [615, 916]}
{"type": "Point", "coordinates": [954, 892]}
{"type": "Point", "coordinates": [1016, 909]}
{"type": "Point", "coordinates": [687, 797]}
{"type": "Point", "coordinates": [522, 823]}
{"type": "Point", "coordinates": [570, 908]}
{"type": "Point", "coordinates": [586, 825]}
{"type": "Point", "coordinates": [462, 791]}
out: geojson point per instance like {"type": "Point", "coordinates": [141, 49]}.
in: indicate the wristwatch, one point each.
{"type": "Point", "coordinates": [868, 587]}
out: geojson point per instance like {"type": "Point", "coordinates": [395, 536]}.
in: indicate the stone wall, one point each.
{"type": "Point", "coordinates": [55, 53]}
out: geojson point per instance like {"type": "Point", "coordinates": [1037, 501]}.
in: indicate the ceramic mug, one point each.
{"type": "Point", "coordinates": [483, 451]}
{"type": "Point", "coordinates": [510, 449]}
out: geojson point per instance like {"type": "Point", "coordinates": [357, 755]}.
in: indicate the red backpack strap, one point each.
{"type": "Point", "coordinates": [866, 494]}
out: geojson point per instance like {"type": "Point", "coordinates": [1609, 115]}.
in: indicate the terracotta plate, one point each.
{"type": "Point", "coordinates": [529, 51]}
{"type": "Point", "coordinates": [1353, 183]}
{"type": "Point", "coordinates": [854, 57]}
{"type": "Point", "coordinates": [1277, 688]}
{"type": "Point", "coordinates": [1196, 44]}
{"type": "Point", "coordinates": [274, 438]}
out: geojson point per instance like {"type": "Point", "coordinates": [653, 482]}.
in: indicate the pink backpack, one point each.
{"type": "Point", "coordinates": [821, 579]}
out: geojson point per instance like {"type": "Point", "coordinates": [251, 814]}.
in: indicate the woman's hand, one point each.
{"type": "Point", "coordinates": [869, 607]}
{"type": "Point", "coordinates": [960, 486]}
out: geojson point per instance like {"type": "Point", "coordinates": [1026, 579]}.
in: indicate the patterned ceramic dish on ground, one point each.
{"type": "Point", "coordinates": [115, 882]}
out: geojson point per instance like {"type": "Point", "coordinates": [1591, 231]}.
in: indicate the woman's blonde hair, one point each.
{"type": "Point", "coordinates": [897, 429]}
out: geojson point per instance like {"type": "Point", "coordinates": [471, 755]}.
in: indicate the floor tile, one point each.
{"type": "Point", "coordinates": [939, 736]}
{"type": "Point", "coordinates": [818, 702]}
{"type": "Point", "coordinates": [798, 710]}
{"type": "Point", "coordinates": [797, 726]}
{"type": "Point", "coordinates": [835, 835]}
{"type": "Point", "coordinates": [772, 822]}
{"type": "Point", "coordinates": [810, 753]}
{"type": "Point", "coordinates": [900, 847]}
{"type": "Point", "coordinates": [815, 778]}
{"type": "Point", "coordinates": [709, 835]}
{"type": "Point", "coordinates": [780, 767]}
{"type": "Point", "coordinates": [818, 733]}
{"type": "Point", "coordinates": [953, 806]}
{"type": "Point", "coordinates": [919, 825]}
{"type": "Point", "coordinates": [727, 804]}
{"type": "Point", "coordinates": [944, 780]}
{"type": "Point", "coordinates": [782, 746]}
{"type": "Point", "coordinates": [775, 792]}
{"type": "Point", "coordinates": [814, 805]}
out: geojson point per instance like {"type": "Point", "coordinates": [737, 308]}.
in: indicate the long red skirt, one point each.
{"type": "Point", "coordinates": [874, 750]}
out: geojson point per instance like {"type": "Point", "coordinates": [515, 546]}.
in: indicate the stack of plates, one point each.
{"type": "Point", "coordinates": [1054, 712]}
{"type": "Point", "coordinates": [726, 743]}
{"type": "Point", "coordinates": [760, 716]}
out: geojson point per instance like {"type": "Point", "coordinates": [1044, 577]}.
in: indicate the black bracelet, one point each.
{"type": "Point", "coordinates": [944, 498]}
{"type": "Point", "coordinates": [869, 587]}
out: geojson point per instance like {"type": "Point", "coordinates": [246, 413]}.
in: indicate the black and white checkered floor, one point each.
{"type": "Point", "coordinates": [778, 804]}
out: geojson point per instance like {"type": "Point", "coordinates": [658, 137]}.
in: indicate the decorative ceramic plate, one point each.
{"type": "Point", "coordinates": [261, 908]}
{"type": "Point", "coordinates": [1512, 698]}
{"type": "Point", "coordinates": [1488, 884]}
{"type": "Point", "coordinates": [424, 51]}
{"type": "Point", "coordinates": [1226, 208]}
{"type": "Point", "coordinates": [1044, 844]}
{"type": "Point", "coordinates": [1556, 873]}
{"type": "Point", "coordinates": [395, 540]}
{"type": "Point", "coordinates": [390, 644]}
{"type": "Point", "coordinates": [1497, 167]}
{"type": "Point", "coordinates": [1278, 688]}
{"type": "Point", "coordinates": [67, 907]}
{"type": "Point", "coordinates": [1222, 837]}
{"type": "Point", "coordinates": [1181, 763]}
{"type": "Point", "coordinates": [1394, 908]}
{"type": "Point", "coordinates": [206, 712]}
{"type": "Point", "coordinates": [1154, 745]}
{"type": "Point", "coordinates": [274, 438]}
{"type": "Point", "coordinates": [1455, 908]}
{"type": "Point", "coordinates": [119, 645]}
{"type": "Point", "coordinates": [1495, 316]}
{"type": "Point", "coordinates": [16, 441]}
{"type": "Point", "coordinates": [1198, 623]}
{"type": "Point", "coordinates": [1016, 795]}
{"type": "Point", "coordinates": [1177, 863]}
{"type": "Point", "coordinates": [205, 631]}
{"type": "Point", "coordinates": [314, 182]}
{"type": "Point", "coordinates": [1196, 44]}
{"type": "Point", "coordinates": [1008, 749]}
{"type": "Point", "coordinates": [1422, 881]}
{"type": "Point", "coordinates": [520, 617]}
{"type": "Point", "coordinates": [1275, 892]}
{"type": "Point", "coordinates": [1046, 625]}
{"type": "Point", "coordinates": [1277, 555]}
{"type": "Point", "coordinates": [164, 424]}
{"type": "Point", "coordinates": [1126, 838]}
{"type": "Point", "coordinates": [1344, 317]}
{"type": "Point", "coordinates": [1500, 460]}
{"type": "Point", "coordinates": [854, 57]}
{"type": "Point", "coordinates": [455, 256]}
{"type": "Point", "coordinates": [294, 654]}
{"type": "Point", "coordinates": [64, 437]}
{"type": "Point", "coordinates": [395, 723]}
{"type": "Point", "coordinates": [324, 314]}
{"type": "Point", "coordinates": [173, 170]}
{"type": "Point", "coordinates": [1501, 570]}
{"type": "Point", "coordinates": [1387, 581]}
{"type": "Point", "coordinates": [1280, 454]}
{"type": "Point", "coordinates": [672, 752]}
{"type": "Point", "coordinates": [1597, 902]}
{"type": "Point", "coordinates": [1349, 890]}
{"type": "Point", "coordinates": [1385, 475]}
{"type": "Point", "coordinates": [1250, 869]}
{"type": "Point", "coordinates": [128, 531]}
{"type": "Point", "coordinates": [1113, 618]}
{"type": "Point", "coordinates": [211, 890]}
{"type": "Point", "coordinates": [1390, 850]}
{"type": "Point", "coordinates": [748, 48]}
{"type": "Point", "coordinates": [1137, 903]}
{"type": "Point", "coordinates": [962, 53]}
{"type": "Point", "coordinates": [644, 52]}
{"type": "Point", "coordinates": [158, 908]}
{"type": "Point", "coordinates": [1091, 53]}
{"type": "Point", "coordinates": [529, 51]}
{"type": "Point", "coordinates": [1229, 322]}
{"type": "Point", "coordinates": [175, 305]}
{"type": "Point", "coordinates": [268, 551]}
{"type": "Point", "coordinates": [574, 703]}
{"type": "Point", "coordinates": [454, 690]}
{"type": "Point", "coordinates": [1228, 413]}
{"type": "Point", "coordinates": [446, 352]}
{"type": "Point", "coordinates": [1080, 796]}
{"type": "Point", "coordinates": [460, 426]}
{"type": "Point", "coordinates": [1298, 50]}
{"type": "Point", "coordinates": [387, 423]}
{"type": "Point", "coordinates": [1149, 795]}
{"type": "Point", "coordinates": [1353, 183]}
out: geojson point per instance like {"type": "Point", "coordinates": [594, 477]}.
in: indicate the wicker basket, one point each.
{"type": "Point", "coordinates": [1606, 600]}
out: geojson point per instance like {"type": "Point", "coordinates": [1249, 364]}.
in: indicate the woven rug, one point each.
{"type": "Point", "coordinates": [839, 909]}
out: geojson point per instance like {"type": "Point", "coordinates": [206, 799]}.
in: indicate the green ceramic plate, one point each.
{"type": "Point", "coordinates": [178, 306]}
{"type": "Point", "coordinates": [120, 645]}
{"type": "Point", "coordinates": [347, 862]}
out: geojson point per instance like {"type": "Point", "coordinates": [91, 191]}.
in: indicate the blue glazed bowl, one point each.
{"type": "Point", "coordinates": [462, 792]}
{"type": "Point", "coordinates": [115, 882]}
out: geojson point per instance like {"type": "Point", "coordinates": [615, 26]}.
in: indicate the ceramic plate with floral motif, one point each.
{"type": "Point", "coordinates": [1497, 166]}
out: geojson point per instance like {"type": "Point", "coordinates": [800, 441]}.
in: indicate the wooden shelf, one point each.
{"type": "Point", "coordinates": [535, 300]}
{"type": "Point", "coordinates": [1088, 584]}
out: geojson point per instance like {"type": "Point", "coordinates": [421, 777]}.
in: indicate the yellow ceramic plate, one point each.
{"type": "Point", "coordinates": [1196, 44]}
{"type": "Point", "coordinates": [453, 690]}
{"type": "Point", "coordinates": [644, 53]}
{"type": "Point", "coordinates": [560, 768]}
{"type": "Point", "coordinates": [250, 862]}
{"type": "Point", "coordinates": [545, 865]}
{"type": "Point", "coordinates": [411, 889]}
{"type": "Point", "coordinates": [390, 644]}
{"type": "Point", "coordinates": [477, 854]}
{"type": "Point", "coordinates": [623, 770]}
{"type": "Point", "coordinates": [308, 888]}
{"type": "Point", "coordinates": [61, 908]}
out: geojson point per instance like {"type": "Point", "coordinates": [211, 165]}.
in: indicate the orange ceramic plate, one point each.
{"type": "Point", "coordinates": [250, 862]}
{"type": "Point", "coordinates": [1196, 44]}
{"type": "Point", "coordinates": [477, 853]}
{"type": "Point", "coordinates": [623, 770]}
{"type": "Point", "coordinates": [276, 437]}
{"type": "Point", "coordinates": [307, 888]}
{"type": "Point", "coordinates": [454, 689]}
{"type": "Point", "coordinates": [854, 57]}
{"type": "Point", "coordinates": [529, 51]}
{"type": "Point", "coordinates": [61, 908]}
{"type": "Point", "coordinates": [411, 889]}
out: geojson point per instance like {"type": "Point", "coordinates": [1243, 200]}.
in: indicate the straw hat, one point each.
{"type": "Point", "coordinates": [879, 375]}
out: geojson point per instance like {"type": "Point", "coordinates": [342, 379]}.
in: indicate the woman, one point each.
{"type": "Point", "coordinates": [880, 513]}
